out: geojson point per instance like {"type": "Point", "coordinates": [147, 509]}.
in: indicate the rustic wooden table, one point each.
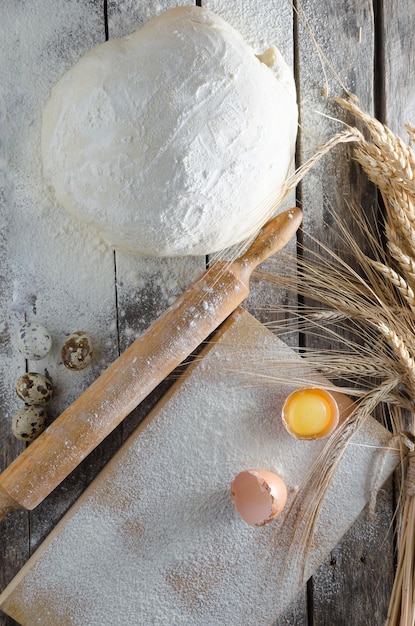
{"type": "Point", "coordinates": [367, 46]}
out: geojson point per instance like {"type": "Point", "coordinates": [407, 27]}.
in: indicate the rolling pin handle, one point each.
{"type": "Point", "coordinates": [271, 238]}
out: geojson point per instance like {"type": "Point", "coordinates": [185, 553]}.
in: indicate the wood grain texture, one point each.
{"type": "Point", "coordinates": [72, 33]}
{"type": "Point", "coordinates": [262, 25]}
{"type": "Point", "coordinates": [200, 563]}
{"type": "Point", "coordinates": [14, 532]}
{"type": "Point", "coordinates": [353, 585]}
{"type": "Point", "coordinates": [338, 593]}
{"type": "Point", "coordinates": [39, 41]}
{"type": "Point", "coordinates": [396, 60]}
{"type": "Point", "coordinates": [347, 34]}
{"type": "Point", "coordinates": [145, 287]}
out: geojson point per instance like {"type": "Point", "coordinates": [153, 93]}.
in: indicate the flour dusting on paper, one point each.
{"type": "Point", "coordinates": [157, 540]}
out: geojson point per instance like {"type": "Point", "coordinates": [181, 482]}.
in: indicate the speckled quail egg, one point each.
{"type": "Point", "coordinates": [29, 422]}
{"type": "Point", "coordinates": [77, 351]}
{"type": "Point", "coordinates": [34, 341]}
{"type": "Point", "coordinates": [33, 388]}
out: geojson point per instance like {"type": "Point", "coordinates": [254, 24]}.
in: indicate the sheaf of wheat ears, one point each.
{"type": "Point", "coordinates": [392, 146]}
{"type": "Point", "coordinates": [403, 260]}
{"type": "Point", "coordinates": [398, 192]}
{"type": "Point", "coordinates": [401, 351]}
{"type": "Point", "coordinates": [399, 205]}
{"type": "Point", "coordinates": [364, 306]}
{"type": "Point", "coordinates": [385, 168]}
{"type": "Point", "coordinates": [397, 281]}
{"type": "Point", "coordinates": [410, 129]}
{"type": "Point", "coordinates": [390, 164]}
{"type": "Point", "coordinates": [398, 196]}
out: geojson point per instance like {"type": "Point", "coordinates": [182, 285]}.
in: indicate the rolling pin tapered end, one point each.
{"type": "Point", "coordinates": [272, 237]}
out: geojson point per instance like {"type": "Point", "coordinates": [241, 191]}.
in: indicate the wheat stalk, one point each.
{"type": "Point", "coordinates": [390, 164]}
{"type": "Point", "coordinates": [397, 281]}
{"type": "Point", "coordinates": [405, 262]}
{"type": "Point", "coordinates": [377, 305]}
{"type": "Point", "coordinates": [302, 516]}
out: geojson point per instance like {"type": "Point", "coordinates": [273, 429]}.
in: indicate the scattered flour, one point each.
{"type": "Point", "coordinates": [62, 275]}
{"type": "Point", "coordinates": [156, 539]}
{"type": "Point", "coordinates": [55, 270]}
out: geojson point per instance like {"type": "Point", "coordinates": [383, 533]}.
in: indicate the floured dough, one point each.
{"type": "Point", "coordinates": [169, 140]}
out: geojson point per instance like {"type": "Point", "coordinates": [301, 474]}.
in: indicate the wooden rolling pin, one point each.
{"type": "Point", "coordinates": [149, 359]}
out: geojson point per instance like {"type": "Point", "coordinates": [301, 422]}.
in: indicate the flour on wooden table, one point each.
{"type": "Point", "coordinates": [156, 539]}
{"type": "Point", "coordinates": [65, 259]}
{"type": "Point", "coordinates": [54, 272]}
{"type": "Point", "coordinates": [57, 271]}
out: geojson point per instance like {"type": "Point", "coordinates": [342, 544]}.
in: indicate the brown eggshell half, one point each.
{"type": "Point", "coordinates": [259, 496]}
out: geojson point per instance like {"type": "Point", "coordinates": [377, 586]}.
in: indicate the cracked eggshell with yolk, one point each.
{"type": "Point", "coordinates": [169, 141]}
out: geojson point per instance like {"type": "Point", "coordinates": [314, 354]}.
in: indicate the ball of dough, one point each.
{"type": "Point", "coordinates": [170, 141]}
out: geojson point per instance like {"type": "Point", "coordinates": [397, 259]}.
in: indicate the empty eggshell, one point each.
{"type": "Point", "coordinates": [77, 351]}
{"type": "Point", "coordinates": [259, 496]}
{"type": "Point", "coordinates": [33, 388]}
{"type": "Point", "coordinates": [28, 422]}
{"type": "Point", "coordinates": [34, 341]}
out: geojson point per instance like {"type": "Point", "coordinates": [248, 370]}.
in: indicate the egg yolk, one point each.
{"type": "Point", "coordinates": [310, 413]}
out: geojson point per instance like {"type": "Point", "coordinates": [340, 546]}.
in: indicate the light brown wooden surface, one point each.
{"type": "Point", "coordinates": [371, 47]}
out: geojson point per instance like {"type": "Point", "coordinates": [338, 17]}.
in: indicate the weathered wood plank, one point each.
{"type": "Point", "coordinates": [397, 60]}
{"type": "Point", "coordinates": [14, 531]}
{"type": "Point", "coordinates": [263, 24]}
{"type": "Point", "coordinates": [89, 286]}
{"type": "Point", "coordinates": [40, 41]}
{"type": "Point", "coordinates": [354, 585]}
{"type": "Point", "coordinates": [145, 287]}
